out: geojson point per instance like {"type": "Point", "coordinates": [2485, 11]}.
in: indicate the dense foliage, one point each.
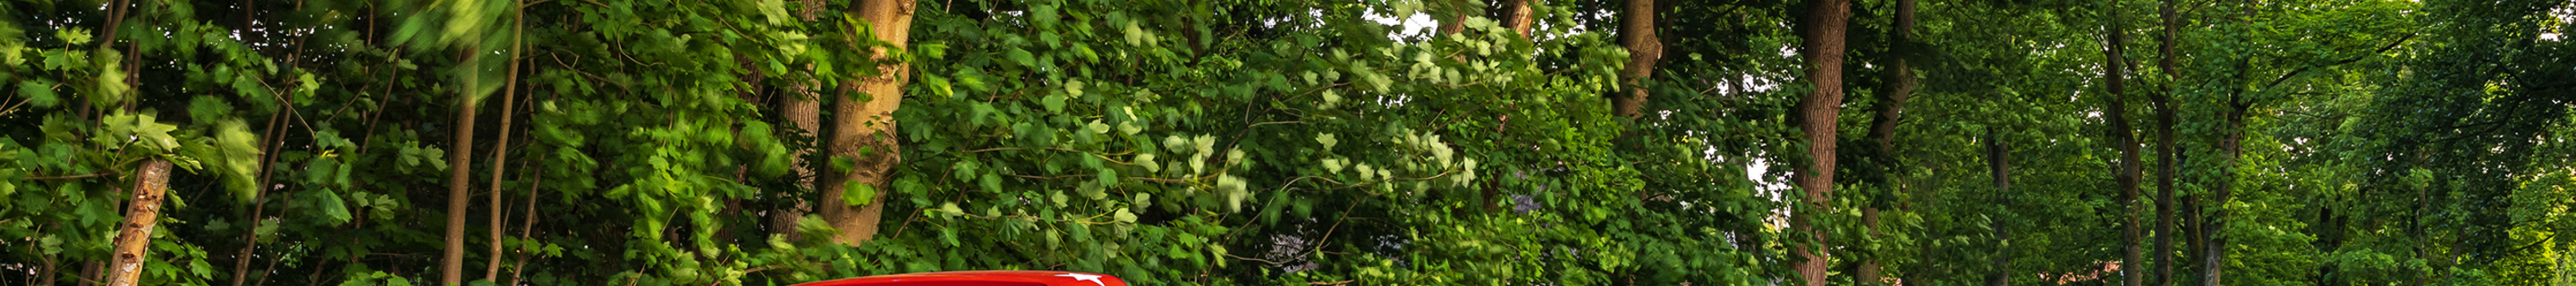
{"type": "Point", "coordinates": [1374, 142]}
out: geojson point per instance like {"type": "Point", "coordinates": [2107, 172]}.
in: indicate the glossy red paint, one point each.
{"type": "Point", "coordinates": [980, 278]}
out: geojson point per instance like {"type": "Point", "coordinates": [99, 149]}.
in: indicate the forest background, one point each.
{"type": "Point", "coordinates": [1510, 142]}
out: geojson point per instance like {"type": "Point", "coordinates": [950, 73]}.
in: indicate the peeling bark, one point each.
{"type": "Point", "coordinates": [134, 236]}
{"type": "Point", "coordinates": [864, 128]}
{"type": "Point", "coordinates": [1519, 19]}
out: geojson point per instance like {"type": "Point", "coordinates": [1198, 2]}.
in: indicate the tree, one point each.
{"type": "Point", "coordinates": [1518, 17]}
{"type": "Point", "coordinates": [1818, 116]}
{"type": "Point", "coordinates": [2123, 138]}
{"type": "Point", "coordinates": [1900, 83]}
{"type": "Point", "coordinates": [501, 151]}
{"type": "Point", "coordinates": [863, 127]}
{"type": "Point", "coordinates": [151, 180]}
{"type": "Point", "coordinates": [1637, 33]}
{"type": "Point", "coordinates": [2165, 151]}
{"type": "Point", "coordinates": [460, 173]}
{"type": "Point", "coordinates": [1999, 165]}
{"type": "Point", "coordinates": [803, 108]}
{"type": "Point", "coordinates": [2352, 142]}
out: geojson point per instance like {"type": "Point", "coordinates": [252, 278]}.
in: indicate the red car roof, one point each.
{"type": "Point", "coordinates": [980, 278]}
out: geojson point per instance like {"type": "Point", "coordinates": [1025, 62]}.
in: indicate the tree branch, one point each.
{"type": "Point", "coordinates": [2383, 49]}
{"type": "Point", "coordinates": [66, 177]}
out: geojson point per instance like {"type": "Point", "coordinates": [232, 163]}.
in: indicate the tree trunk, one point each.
{"type": "Point", "coordinates": [460, 161]}
{"type": "Point", "coordinates": [864, 127]}
{"type": "Point", "coordinates": [89, 274]}
{"type": "Point", "coordinates": [2230, 148]}
{"type": "Point", "coordinates": [2126, 140]}
{"type": "Point", "coordinates": [2214, 261]}
{"type": "Point", "coordinates": [2192, 222]}
{"type": "Point", "coordinates": [45, 276]}
{"type": "Point", "coordinates": [1637, 32]}
{"type": "Point", "coordinates": [1817, 117]}
{"type": "Point", "coordinates": [804, 109]}
{"type": "Point", "coordinates": [270, 141]}
{"type": "Point", "coordinates": [1900, 87]}
{"type": "Point", "coordinates": [2165, 156]}
{"type": "Point", "coordinates": [134, 237]}
{"type": "Point", "coordinates": [528, 221]}
{"type": "Point", "coordinates": [152, 179]}
{"type": "Point", "coordinates": [1999, 164]}
{"type": "Point", "coordinates": [2414, 223]}
{"type": "Point", "coordinates": [501, 150]}
{"type": "Point", "coordinates": [1900, 83]}
{"type": "Point", "coordinates": [1520, 19]}
{"type": "Point", "coordinates": [1455, 21]}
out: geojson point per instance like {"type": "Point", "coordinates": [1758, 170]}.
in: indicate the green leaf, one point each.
{"type": "Point", "coordinates": [1328, 140]}
{"type": "Point", "coordinates": [266, 229]}
{"type": "Point", "coordinates": [972, 79]}
{"type": "Point", "coordinates": [858, 193]}
{"type": "Point", "coordinates": [111, 84]}
{"type": "Point", "coordinates": [1130, 127]}
{"type": "Point", "coordinates": [990, 183]}
{"type": "Point", "coordinates": [1106, 177]}
{"type": "Point", "coordinates": [1135, 36]}
{"type": "Point", "coordinates": [950, 208]}
{"type": "Point", "coordinates": [1073, 87]}
{"type": "Point", "coordinates": [1143, 200]}
{"type": "Point", "coordinates": [331, 205]}
{"type": "Point", "coordinates": [1198, 163]}
{"type": "Point", "coordinates": [306, 84]}
{"type": "Point", "coordinates": [39, 93]}
{"type": "Point", "coordinates": [74, 36]}
{"type": "Point", "coordinates": [1331, 99]}
{"type": "Point", "coordinates": [320, 170]}
{"type": "Point", "coordinates": [620, 191]}
{"type": "Point", "coordinates": [1147, 160]}
{"type": "Point", "coordinates": [239, 158]}
{"type": "Point", "coordinates": [909, 186]}
{"type": "Point", "coordinates": [931, 50]}
{"type": "Point", "coordinates": [776, 12]}
{"type": "Point", "coordinates": [938, 85]}
{"type": "Point", "coordinates": [1054, 103]}
{"type": "Point", "coordinates": [1205, 144]}
{"type": "Point", "coordinates": [120, 126]}
{"type": "Point", "coordinates": [154, 135]}
{"type": "Point", "coordinates": [1019, 56]}
{"type": "Point", "coordinates": [1044, 16]}
{"type": "Point", "coordinates": [843, 164]}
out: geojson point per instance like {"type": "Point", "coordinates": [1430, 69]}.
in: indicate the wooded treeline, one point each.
{"type": "Point", "coordinates": [1372, 142]}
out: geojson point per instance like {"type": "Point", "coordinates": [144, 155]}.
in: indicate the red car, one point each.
{"type": "Point", "coordinates": [979, 278]}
